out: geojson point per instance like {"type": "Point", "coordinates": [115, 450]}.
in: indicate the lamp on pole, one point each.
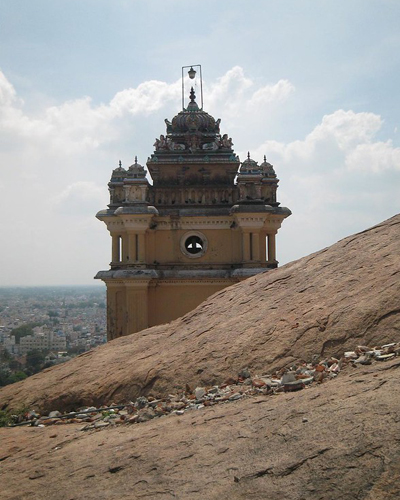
{"type": "Point", "coordinates": [192, 75]}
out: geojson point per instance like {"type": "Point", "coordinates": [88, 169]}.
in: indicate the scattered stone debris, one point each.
{"type": "Point", "coordinates": [298, 377]}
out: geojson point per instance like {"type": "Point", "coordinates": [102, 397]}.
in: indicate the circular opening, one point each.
{"type": "Point", "coordinates": [194, 245]}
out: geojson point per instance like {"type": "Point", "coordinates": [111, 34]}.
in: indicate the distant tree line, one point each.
{"type": "Point", "coordinates": [24, 330]}
{"type": "Point", "coordinates": [12, 371]}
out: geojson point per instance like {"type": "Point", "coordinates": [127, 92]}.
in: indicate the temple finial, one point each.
{"type": "Point", "coordinates": [120, 163]}
{"type": "Point", "coordinates": [248, 155]}
{"type": "Point", "coordinates": [192, 95]}
{"type": "Point", "coordinates": [265, 159]}
{"type": "Point", "coordinates": [135, 160]}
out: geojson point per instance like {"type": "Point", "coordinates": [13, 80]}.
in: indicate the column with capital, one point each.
{"type": "Point", "coordinates": [246, 246]}
{"type": "Point", "coordinates": [255, 246]}
{"type": "Point", "coordinates": [271, 247]}
{"type": "Point", "coordinates": [132, 237]}
{"type": "Point", "coordinates": [141, 250]}
{"type": "Point", "coordinates": [115, 253]}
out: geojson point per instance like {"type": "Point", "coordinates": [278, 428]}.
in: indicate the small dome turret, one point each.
{"type": "Point", "coordinates": [267, 169]}
{"type": "Point", "coordinates": [136, 170]}
{"type": "Point", "coordinates": [118, 173]}
{"type": "Point", "coordinates": [249, 166]}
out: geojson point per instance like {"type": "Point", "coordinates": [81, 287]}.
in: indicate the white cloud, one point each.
{"type": "Point", "coordinates": [272, 93]}
{"type": "Point", "coordinates": [228, 89]}
{"type": "Point", "coordinates": [81, 197]}
{"type": "Point", "coordinates": [145, 99]}
{"type": "Point", "coordinates": [343, 140]}
{"type": "Point", "coordinates": [338, 180]}
{"type": "Point", "coordinates": [57, 162]}
{"type": "Point", "coordinates": [7, 92]}
{"type": "Point", "coordinates": [77, 127]}
{"type": "Point", "coordinates": [233, 95]}
{"type": "Point", "coordinates": [375, 157]}
{"type": "Point", "coordinates": [347, 128]}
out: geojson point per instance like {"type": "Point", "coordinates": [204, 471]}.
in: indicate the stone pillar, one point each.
{"type": "Point", "coordinates": [115, 257]}
{"type": "Point", "coordinates": [255, 246]}
{"type": "Point", "coordinates": [126, 192]}
{"type": "Point", "coordinates": [246, 246]}
{"type": "Point", "coordinates": [111, 191]}
{"type": "Point", "coordinates": [141, 247]}
{"type": "Point", "coordinates": [271, 247]}
{"type": "Point", "coordinates": [263, 247]}
{"type": "Point", "coordinates": [132, 246]}
{"type": "Point", "coordinates": [125, 248]}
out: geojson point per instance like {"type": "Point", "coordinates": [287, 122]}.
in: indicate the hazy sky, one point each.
{"type": "Point", "coordinates": [314, 85]}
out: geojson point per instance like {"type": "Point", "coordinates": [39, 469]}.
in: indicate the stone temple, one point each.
{"type": "Point", "coordinates": [203, 221]}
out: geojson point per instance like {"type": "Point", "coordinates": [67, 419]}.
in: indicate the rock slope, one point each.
{"type": "Point", "coordinates": [334, 441]}
{"type": "Point", "coordinates": [323, 304]}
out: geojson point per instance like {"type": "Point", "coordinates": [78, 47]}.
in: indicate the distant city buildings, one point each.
{"type": "Point", "coordinates": [59, 321]}
{"type": "Point", "coordinates": [44, 339]}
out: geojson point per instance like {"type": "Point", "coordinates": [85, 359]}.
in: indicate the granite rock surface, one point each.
{"type": "Point", "coordinates": [318, 306]}
{"type": "Point", "coordinates": [335, 441]}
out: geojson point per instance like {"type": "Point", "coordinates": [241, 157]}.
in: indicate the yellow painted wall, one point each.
{"type": "Point", "coordinates": [169, 301]}
{"type": "Point", "coordinates": [137, 303]}
{"type": "Point", "coordinates": [224, 247]}
{"type": "Point", "coordinates": [116, 299]}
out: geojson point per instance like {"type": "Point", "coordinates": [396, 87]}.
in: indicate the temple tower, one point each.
{"type": "Point", "coordinates": [206, 221]}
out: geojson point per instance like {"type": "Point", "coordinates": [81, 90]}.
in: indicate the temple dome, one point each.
{"type": "Point", "coordinates": [193, 119]}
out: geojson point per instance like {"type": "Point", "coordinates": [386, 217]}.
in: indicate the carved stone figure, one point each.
{"type": "Point", "coordinates": [169, 125]}
{"type": "Point", "coordinates": [193, 141]}
{"type": "Point", "coordinates": [226, 142]}
{"type": "Point", "coordinates": [175, 146]}
{"type": "Point", "coordinates": [160, 143]}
